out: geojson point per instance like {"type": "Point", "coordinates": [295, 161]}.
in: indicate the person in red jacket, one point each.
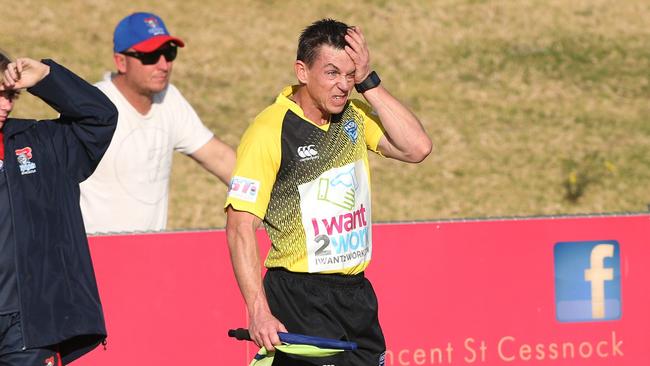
{"type": "Point", "coordinates": [50, 311]}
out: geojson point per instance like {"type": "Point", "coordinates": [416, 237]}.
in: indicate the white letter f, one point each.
{"type": "Point", "coordinates": [597, 275]}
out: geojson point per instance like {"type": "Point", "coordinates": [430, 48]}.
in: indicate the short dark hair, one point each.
{"type": "Point", "coordinates": [4, 61]}
{"type": "Point", "coordinates": [322, 32]}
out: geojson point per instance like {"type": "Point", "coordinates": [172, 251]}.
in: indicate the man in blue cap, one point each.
{"type": "Point", "coordinates": [130, 188]}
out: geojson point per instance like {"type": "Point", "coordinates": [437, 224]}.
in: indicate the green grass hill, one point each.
{"type": "Point", "coordinates": [534, 107]}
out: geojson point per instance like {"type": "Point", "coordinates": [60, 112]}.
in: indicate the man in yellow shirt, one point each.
{"type": "Point", "coordinates": [302, 169]}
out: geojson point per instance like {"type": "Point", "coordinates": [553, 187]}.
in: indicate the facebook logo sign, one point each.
{"type": "Point", "coordinates": [587, 281]}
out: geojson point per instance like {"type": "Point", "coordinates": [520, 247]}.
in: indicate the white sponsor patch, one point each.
{"type": "Point", "coordinates": [336, 217]}
{"type": "Point", "coordinates": [244, 189]}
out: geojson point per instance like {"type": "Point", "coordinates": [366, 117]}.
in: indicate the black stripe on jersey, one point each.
{"type": "Point", "coordinates": [332, 148]}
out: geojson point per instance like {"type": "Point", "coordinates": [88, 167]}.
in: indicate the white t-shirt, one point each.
{"type": "Point", "coordinates": [129, 190]}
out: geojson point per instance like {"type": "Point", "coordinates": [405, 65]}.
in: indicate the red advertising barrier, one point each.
{"type": "Point", "coordinates": [547, 291]}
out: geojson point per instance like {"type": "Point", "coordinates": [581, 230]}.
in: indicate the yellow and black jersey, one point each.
{"type": "Point", "coordinates": [310, 185]}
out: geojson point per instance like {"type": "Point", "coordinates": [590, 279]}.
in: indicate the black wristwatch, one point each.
{"type": "Point", "coordinates": [372, 81]}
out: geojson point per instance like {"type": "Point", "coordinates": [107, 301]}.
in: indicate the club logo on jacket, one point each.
{"type": "Point", "coordinates": [49, 361]}
{"type": "Point", "coordinates": [25, 163]}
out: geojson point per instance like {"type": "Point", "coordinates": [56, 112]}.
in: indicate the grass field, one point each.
{"type": "Point", "coordinates": [534, 107]}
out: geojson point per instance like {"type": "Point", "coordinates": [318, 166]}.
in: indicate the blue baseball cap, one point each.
{"type": "Point", "coordinates": [143, 32]}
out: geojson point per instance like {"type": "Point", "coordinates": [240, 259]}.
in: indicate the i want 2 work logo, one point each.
{"type": "Point", "coordinates": [587, 281]}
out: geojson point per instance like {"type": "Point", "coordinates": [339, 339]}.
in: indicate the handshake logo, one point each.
{"type": "Point", "coordinates": [339, 190]}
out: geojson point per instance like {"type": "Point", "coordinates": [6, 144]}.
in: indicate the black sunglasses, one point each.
{"type": "Point", "coordinates": [150, 58]}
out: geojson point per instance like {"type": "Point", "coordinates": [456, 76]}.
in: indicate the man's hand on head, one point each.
{"type": "Point", "coordinates": [357, 48]}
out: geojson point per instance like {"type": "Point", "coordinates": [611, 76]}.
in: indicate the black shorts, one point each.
{"type": "Point", "coordinates": [327, 305]}
{"type": "Point", "coordinates": [11, 346]}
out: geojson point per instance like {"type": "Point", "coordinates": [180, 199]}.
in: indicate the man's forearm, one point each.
{"type": "Point", "coordinates": [217, 158]}
{"type": "Point", "coordinates": [406, 137]}
{"type": "Point", "coordinates": [244, 254]}
{"type": "Point", "coordinates": [246, 263]}
{"type": "Point", "coordinates": [75, 99]}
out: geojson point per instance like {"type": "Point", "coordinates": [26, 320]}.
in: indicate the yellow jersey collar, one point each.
{"type": "Point", "coordinates": [284, 99]}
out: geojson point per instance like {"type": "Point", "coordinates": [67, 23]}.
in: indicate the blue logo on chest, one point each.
{"type": "Point", "coordinates": [350, 129]}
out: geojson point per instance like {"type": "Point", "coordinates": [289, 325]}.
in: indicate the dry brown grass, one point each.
{"type": "Point", "coordinates": [513, 93]}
